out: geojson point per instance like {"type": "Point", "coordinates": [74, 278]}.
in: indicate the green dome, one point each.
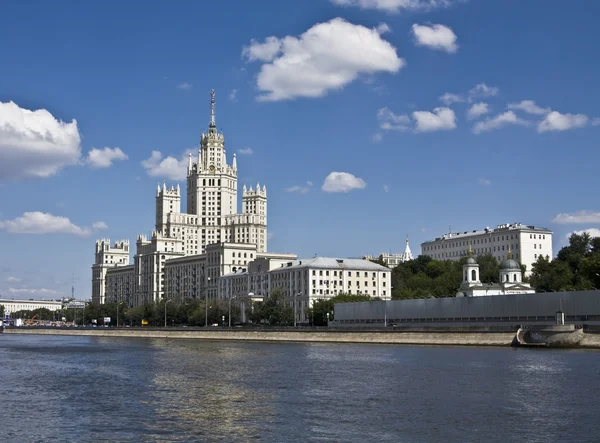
{"type": "Point", "coordinates": [510, 265]}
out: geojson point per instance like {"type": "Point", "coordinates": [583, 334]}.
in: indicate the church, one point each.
{"type": "Point", "coordinates": [511, 281]}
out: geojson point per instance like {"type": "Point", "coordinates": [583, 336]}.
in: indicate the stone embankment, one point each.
{"type": "Point", "coordinates": [471, 337]}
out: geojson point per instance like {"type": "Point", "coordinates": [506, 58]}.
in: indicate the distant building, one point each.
{"type": "Point", "coordinates": [511, 281]}
{"type": "Point", "coordinates": [306, 280]}
{"type": "Point", "coordinates": [12, 305]}
{"type": "Point", "coordinates": [527, 242]}
{"type": "Point", "coordinates": [393, 260]}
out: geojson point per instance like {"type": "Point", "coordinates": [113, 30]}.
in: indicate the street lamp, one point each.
{"type": "Point", "coordinates": [166, 301]}
{"type": "Point", "coordinates": [206, 305]}
{"type": "Point", "coordinates": [328, 319]}
{"type": "Point", "coordinates": [295, 304]}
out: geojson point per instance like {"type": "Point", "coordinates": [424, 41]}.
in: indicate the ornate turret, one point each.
{"type": "Point", "coordinates": [510, 269]}
{"type": "Point", "coordinates": [470, 271]}
{"type": "Point", "coordinates": [407, 255]}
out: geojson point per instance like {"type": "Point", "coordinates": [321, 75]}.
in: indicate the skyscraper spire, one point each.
{"type": "Point", "coordinates": [212, 109]}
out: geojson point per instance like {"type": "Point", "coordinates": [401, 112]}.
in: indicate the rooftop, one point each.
{"type": "Point", "coordinates": [500, 228]}
{"type": "Point", "coordinates": [355, 264]}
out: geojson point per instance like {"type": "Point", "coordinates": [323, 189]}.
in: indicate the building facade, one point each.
{"type": "Point", "coordinates": [304, 281]}
{"type": "Point", "coordinates": [11, 305]}
{"type": "Point", "coordinates": [211, 231]}
{"type": "Point", "coordinates": [526, 242]}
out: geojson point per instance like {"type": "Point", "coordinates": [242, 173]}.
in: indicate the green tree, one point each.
{"type": "Point", "coordinates": [489, 268]}
{"type": "Point", "coordinates": [2, 311]}
{"type": "Point", "coordinates": [274, 310]}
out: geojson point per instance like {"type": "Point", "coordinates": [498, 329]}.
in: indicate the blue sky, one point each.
{"type": "Point", "coordinates": [439, 114]}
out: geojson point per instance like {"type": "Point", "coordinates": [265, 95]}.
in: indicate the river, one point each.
{"type": "Point", "coordinates": [121, 389]}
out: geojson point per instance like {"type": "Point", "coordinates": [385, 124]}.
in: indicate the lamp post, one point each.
{"type": "Point", "coordinates": [206, 305]}
{"type": "Point", "coordinates": [229, 312]}
{"type": "Point", "coordinates": [166, 301]}
{"type": "Point", "coordinates": [328, 319]}
{"type": "Point", "coordinates": [295, 305]}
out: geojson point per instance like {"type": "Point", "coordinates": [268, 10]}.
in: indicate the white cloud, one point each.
{"type": "Point", "coordinates": [449, 98]}
{"type": "Point", "coordinates": [394, 6]}
{"type": "Point", "coordinates": [35, 143]}
{"type": "Point", "coordinates": [300, 189]}
{"type": "Point", "coordinates": [596, 121]}
{"type": "Point", "coordinates": [326, 57]}
{"type": "Point", "coordinates": [32, 291]}
{"type": "Point", "coordinates": [246, 151]}
{"type": "Point", "coordinates": [484, 181]}
{"type": "Point", "coordinates": [529, 106]}
{"type": "Point", "coordinates": [265, 52]}
{"type": "Point", "coordinates": [43, 223]}
{"type": "Point", "coordinates": [103, 158]}
{"type": "Point", "coordinates": [389, 121]}
{"type": "Point", "coordinates": [386, 188]}
{"type": "Point", "coordinates": [13, 279]}
{"type": "Point", "coordinates": [168, 167]}
{"type": "Point", "coordinates": [555, 121]}
{"type": "Point", "coordinates": [483, 90]}
{"type": "Point", "coordinates": [99, 225]}
{"type": "Point", "coordinates": [233, 95]}
{"type": "Point", "coordinates": [185, 86]}
{"type": "Point", "coordinates": [497, 122]}
{"type": "Point", "coordinates": [441, 119]}
{"type": "Point", "coordinates": [438, 37]}
{"type": "Point", "coordinates": [593, 232]}
{"type": "Point", "coordinates": [342, 182]}
{"type": "Point", "coordinates": [377, 137]}
{"type": "Point", "coordinates": [577, 217]}
{"type": "Point", "coordinates": [477, 110]}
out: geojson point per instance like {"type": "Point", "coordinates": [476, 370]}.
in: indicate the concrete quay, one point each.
{"type": "Point", "coordinates": [483, 336]}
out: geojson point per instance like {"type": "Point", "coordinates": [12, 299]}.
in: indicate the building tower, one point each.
{"type": "Point", "coordinates": [510, 270]}
{"type": "Point", "coordinates": [167, 201]}
{"type": "Point", "coordinates": [470, 271]}
{"type": "Point", "coordinates": [107, 257]}
{"type": "Point", "coordinates": [407, 254]}
{"type": "Point", "coordinates": [254, 206]}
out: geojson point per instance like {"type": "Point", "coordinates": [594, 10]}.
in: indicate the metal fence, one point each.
{"type": "Point", "coordinates": [577, 306]}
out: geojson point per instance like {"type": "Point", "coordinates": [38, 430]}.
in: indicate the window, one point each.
{"type": "Point", "coordinates": [473, 275]}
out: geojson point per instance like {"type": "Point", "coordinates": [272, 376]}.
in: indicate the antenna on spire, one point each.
{"type": "Point", "coordinates": [509, 255]}
{"type": "Point", "coordinates": [212, 109]}
{"type": "Point", "coordinates": [470, 250]}
{"type": "Point", "coordinates": [73, 287]}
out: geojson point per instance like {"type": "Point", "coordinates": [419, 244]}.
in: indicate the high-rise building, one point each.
{"type": "Point", "coordinates": [211, 217]}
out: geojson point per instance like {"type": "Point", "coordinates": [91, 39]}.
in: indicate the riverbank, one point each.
{"type": "Point", "coordinates": [431, 338]}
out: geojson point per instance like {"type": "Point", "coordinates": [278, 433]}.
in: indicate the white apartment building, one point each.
{"type": "Point", "coordinates": [211, 218]}
{"type": "Point", "coordinates": [12, 305]}
{"type": "Point", "coordinates": [526, 242]}
{"type": "Point", "coordinates": [304, 281]}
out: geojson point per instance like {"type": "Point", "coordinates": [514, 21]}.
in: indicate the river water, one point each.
{"type": "Point", "coordinates": [149, 390]}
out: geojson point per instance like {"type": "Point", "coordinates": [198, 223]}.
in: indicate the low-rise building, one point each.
{"type": "Point", "coordinates": [306, 280]}
{"type": "Point", "coordinates": [393, 260]}
{"type": "Point", "coordinates": [13, 305]}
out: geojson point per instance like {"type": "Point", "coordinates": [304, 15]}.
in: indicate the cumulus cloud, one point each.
{"type": "Point", "coordinates": [577, 217]}
{"type": "Point", "coordinates": [168, 167]}
{"type": "Point", "coordinates": [389, 121]}
{"type": "Point", "coordinates": [233, 95]}
{"type": "Point", "coordinates": [43, 223]}
{"type": "Point", "coordinates": [593, 232]}
{"type": "Point", "coordinates": [342, 182]}
{"type": "Point", "coordinates": [484, 181]}
{"type": "Point", "coordinates": [386, 188]}
{"type": "Point", "coordinates": [497, 122]}
{"type": "Point", "coordinates": [377, 137]}
{"type": "Point", "coordinates": [300, 189]}
{"type": "Point", "coordinates": [246, 151]}
{"type": "Point", "coordinates": [185, 86]}
{"type": "Point", "coordinates": [441, 119]}
{"type": "Point", "coordinates": [99, 225]}
{"type": "Point", "coordinates": [438, 37]}
{"type": "Point", "coordinates": [394, 6]}
{"type": "Point", "coordinates": [449, 98]}
{"type": "Point", "coordinates": [555, 121]}
{"type": "Point", "coordinates": [326, 57]}
{"type": "Point", "coordinates": [529, 107]}
{"type": "Point", "coordinates": [477, 110]}
{"type": "Point", "coordinates": [483, 90]}
{"type": "Point", "coordinates": [35, 143]}
{"type": "Point", "coordinates": [12, 279]}
{"type": "Point", "coordinates": [103, 158]}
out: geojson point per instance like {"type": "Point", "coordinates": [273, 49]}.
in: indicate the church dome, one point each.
{"type": "Point", "coordinates": [510, 265]}
{"type": "Point", "coordinates": [471, 261]}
